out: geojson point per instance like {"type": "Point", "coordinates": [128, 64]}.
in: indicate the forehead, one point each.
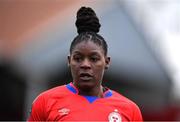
{"type": "Point", "coordinates": [87, 46]}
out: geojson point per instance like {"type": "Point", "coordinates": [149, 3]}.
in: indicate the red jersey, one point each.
{"type": "Point", "coordinates": [63, 103]}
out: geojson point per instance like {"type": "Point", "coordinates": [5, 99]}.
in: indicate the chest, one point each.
{"type": "Point", "coordinates": [80, 109]}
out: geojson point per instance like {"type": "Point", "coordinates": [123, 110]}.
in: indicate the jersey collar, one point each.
{"type": "Point", "coordinates": [74, 90]}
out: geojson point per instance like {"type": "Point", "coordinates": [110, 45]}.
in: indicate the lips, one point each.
{"type": "Point", "coordinates": [85, 76]}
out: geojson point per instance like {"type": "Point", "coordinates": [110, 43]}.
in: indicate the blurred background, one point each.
{"type": "Point", "coordinates": [143, 38]}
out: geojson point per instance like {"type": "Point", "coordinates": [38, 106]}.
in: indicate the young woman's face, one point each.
{"type": "Point", "coordinates": [88, 62]}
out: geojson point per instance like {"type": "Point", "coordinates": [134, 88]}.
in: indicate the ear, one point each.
{"type": "Point", "coordinates": [69, 60]}
{"type": "Point", "coordinates": [107, 61]}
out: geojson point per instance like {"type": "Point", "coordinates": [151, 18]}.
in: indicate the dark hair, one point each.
{"type": "Point", "coordinates": [88, 26]}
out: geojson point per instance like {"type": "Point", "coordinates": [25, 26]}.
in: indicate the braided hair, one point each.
{"type": "Point", "coordinates": [88, 26]}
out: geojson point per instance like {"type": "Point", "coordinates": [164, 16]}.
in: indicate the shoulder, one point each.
{"type": "Point", "coordinates": [129, 106]}
{"type": "Point", "coordinates": [122, 98]}
{"type": "Point", "coordinates": [42, 102]}
{"type": "Point", "coordinates": [56, 91]}
{"type": "Point", "coordinates": [46, 95]}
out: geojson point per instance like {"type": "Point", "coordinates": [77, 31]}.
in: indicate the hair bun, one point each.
{"type": "Point", "coordinates": [87, 21]}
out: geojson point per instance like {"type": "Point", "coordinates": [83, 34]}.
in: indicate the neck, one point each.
{"type": "Point", "coordinates": [95, 91]}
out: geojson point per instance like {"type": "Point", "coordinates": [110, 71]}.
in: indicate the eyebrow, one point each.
{"type": "Point", "coordinates": [92, 53]}
{"type": "Point", "coordinates": [77, 52]}
{"type": "Point", "coordinates": [95, 53]}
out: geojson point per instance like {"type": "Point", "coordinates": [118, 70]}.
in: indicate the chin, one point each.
{"type": "Point", "coordinates": [86, 85]}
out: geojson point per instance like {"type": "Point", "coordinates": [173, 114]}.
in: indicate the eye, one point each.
{"type": "Point", "coordinates": [77, 58]}
{"type": "Point", "coordinates": [94, 59]}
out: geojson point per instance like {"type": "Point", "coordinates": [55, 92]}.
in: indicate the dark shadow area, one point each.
{"type": "Point", "coordinates": [12, 94]}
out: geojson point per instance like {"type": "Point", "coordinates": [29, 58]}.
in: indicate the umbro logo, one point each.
{"type": "Point", "coordinates": [64, 111]}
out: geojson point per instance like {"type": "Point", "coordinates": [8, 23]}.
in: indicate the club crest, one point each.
{"type": "Point", "coordinates": [114, 116]}
{"type": "Point", "coordinates": [64, 111]}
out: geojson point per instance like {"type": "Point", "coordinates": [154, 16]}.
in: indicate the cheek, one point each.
{"type": "Point", "coordinates": [100, 66]}
{"type": "Point", "coordinates": [99, 70]}
{"type": "Point", "coordinates": [74, 69]}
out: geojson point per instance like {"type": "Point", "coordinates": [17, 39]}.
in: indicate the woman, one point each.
{"type": "Point", "coordinates": [85, 99]}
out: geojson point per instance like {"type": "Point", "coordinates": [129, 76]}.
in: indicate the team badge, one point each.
{"type": "Point", "coordinates": [114, 116]}
{"type": "Point", "coordinates": [64, 111]}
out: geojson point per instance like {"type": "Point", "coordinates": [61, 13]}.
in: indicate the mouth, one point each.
{"type": "Point", "coordinates": [85, 76]}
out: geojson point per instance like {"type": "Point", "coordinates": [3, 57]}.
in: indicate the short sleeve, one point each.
{"type": "Point", "coordinates": [38, 109]}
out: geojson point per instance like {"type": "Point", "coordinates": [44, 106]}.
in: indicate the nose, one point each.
{"type": "Point", "coordinates": [85, 64]}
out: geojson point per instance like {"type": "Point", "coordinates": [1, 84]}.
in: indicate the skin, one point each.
{"type": "Point", "coordinates": [88, 63]}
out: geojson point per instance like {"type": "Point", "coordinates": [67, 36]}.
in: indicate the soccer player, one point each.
{"type": "Point", "coordinates": [85, 99]}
